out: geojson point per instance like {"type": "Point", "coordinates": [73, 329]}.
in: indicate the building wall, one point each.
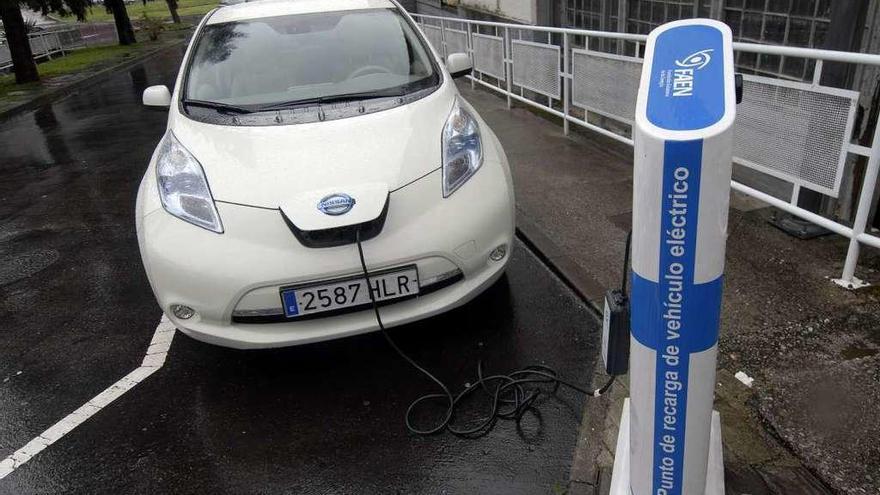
{"type": "Point", "coordinates": [524, 11]}
{"type": "Point", "coordinates": [803, 23]}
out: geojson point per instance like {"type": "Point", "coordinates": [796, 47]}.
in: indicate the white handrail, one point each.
{"type": "Point", "coordinates": [543, 29]}
{"type": "Point", "coordinates": [811, 53]}
{"type": "Point", "coordinates": [789, 51]}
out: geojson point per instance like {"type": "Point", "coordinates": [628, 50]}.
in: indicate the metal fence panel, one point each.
{"type": "Point", "coordinates": [606, 84]}
{"type": "Point", "coordinates": [536, 67]}
{"type": "Point", "coordinates": [38, 45]}
{"type": "Point", "coordinates": [5, 56]}
{"type": "Point", "coordinates": [435, 37]}
{"type": "Point", "coordinates": [489, 55]}
{"type": "Point", "coordinates": [70, 38]}
{"type": "Point", "coordinates": [53, 42]}
{"type": "Point", "coordinates": [795, 131]}
{"type": "Point", "coordinates": [456, 41]}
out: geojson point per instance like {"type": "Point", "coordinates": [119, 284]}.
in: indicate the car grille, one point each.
{"type": "Point", "coordinates": [339, 236]}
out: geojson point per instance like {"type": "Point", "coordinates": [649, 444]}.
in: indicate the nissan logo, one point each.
{"type": "Point", "coordinates": [336, 204]}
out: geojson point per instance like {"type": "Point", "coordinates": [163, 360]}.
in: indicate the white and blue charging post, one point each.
{"type": "Point", "coordinates": [670, 437]}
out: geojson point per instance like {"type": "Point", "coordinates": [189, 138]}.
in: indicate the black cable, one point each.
{"type": "Point", "coordinates": [626, 254]}
{"type": "Point", "coordinates": [510, 399]}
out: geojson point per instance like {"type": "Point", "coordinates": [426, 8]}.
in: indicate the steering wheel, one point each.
{"type": "Point", "coordinates": [368, 69]}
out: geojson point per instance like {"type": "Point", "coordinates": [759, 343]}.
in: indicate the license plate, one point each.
{"type": "Point", "coordinates": [339, 294]}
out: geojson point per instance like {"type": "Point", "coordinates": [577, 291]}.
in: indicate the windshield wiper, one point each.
{"type": "Point", "coordinates": [216, 105]}
{"type": "Point", "coordinates": [320, 100]}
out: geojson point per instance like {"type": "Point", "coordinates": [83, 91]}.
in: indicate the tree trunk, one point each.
{"type": "Point", "coordinates": [123, 24]}
{"type": "Point", "coordinates": [19, 47]}
{"type": "Point", "coordinates": [172, 7]}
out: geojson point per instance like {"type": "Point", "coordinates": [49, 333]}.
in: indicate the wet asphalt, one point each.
{"type": "Point", "coordinates": [77, 313]}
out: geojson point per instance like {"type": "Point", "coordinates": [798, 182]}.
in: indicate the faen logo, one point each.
{"type": "Point", "coordinates": [697, 60]}
{"type": "Point", "coordinates": [683, 75]}
{"type": "Point", "coordinates": [336, 204]}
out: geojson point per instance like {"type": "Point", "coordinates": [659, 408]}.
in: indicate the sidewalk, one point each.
{"type": "Point", "coordinates": [807, 426]}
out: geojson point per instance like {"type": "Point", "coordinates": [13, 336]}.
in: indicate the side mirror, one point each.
{"type": "Point", "coordinates": [459, 64]}
{"type": "Point", "coordinates": [157, 96]}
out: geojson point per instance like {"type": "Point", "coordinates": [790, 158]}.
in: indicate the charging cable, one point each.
{"type": "Point", "coordinates": [626, 254]}
{"type": "Point", "coordinates": [510, 395]}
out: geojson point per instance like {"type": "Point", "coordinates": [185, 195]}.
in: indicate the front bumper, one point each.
{"type": "Point", "coordinates": [242, 269]}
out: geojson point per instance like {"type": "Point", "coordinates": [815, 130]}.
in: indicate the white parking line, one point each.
{"type": "Point", "coordinates": [153, 360]}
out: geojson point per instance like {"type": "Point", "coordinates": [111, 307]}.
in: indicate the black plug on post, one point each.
{"type": "Point", "coordinates": [616, 324]}
{"type": "Point", "coordinates": [615, 333]}
{"type": "Point", "coordinates": [738, 84]}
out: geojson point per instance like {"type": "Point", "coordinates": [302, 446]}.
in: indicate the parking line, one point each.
{"type": "Point", "coordinates": [153, 360]}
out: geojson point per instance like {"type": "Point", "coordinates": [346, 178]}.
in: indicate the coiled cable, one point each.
{"type": "Point", "coordinates": [511, 397]}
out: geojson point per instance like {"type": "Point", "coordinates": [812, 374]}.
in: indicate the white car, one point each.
{"type": "Point", "coordinates": [293, 128]}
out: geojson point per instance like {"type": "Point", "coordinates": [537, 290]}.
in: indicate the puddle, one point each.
{"type": "Point", "coordinates": [20, 266]}
{"type": "Point", "coordinates": [856, 351]}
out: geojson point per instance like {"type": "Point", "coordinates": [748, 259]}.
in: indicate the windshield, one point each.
{"type": "Point", "coordinates": [308, 58]}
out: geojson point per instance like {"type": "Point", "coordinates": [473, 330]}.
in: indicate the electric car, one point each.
{"type": "Point", "coordinates": [297, 132]}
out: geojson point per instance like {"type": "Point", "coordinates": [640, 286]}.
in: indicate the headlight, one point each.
{"type": "Point", "coordinates": [183, 188]}
{"type": "Point", "coordinates": [462, 149]}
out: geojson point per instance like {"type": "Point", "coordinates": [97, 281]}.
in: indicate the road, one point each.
{"type": "Point", "coordinates": [77, 314]}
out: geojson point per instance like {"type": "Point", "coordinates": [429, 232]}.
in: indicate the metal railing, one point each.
{"type": "Point", "coordinates": [46, 44]}
{"type": "Point", "coordinates": [796, 132]}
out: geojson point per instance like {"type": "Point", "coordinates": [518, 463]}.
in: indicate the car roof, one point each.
{"type": "Point", "coordinates": [272, 8]}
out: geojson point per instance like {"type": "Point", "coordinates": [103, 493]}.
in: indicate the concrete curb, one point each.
{"type": "Point", "coordinates": [95, 78]}
{"type": "Point", "coordinates": [574, 276]}
{"type": "Point", "coordinates": [597, 433]}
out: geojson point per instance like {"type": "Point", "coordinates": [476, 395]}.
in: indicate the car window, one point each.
{"type": "Point", "coordinates": [276, 60]}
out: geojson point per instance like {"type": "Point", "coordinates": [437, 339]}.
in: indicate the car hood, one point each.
{"type": "Point", "coordinates": [293, 167]}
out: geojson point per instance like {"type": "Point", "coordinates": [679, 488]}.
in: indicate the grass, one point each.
{"type": "Point", "coordinates": [81, 59]}
{"type": "Point", "coordinates": [75, 61]}
{"type": "Point", "coordinates": [153, 8]}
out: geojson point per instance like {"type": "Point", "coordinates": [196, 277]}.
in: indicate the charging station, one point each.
{"type": "Point", "coordinates": [670, 438]}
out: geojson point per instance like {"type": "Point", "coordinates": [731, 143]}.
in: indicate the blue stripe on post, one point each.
{"type": "Point", "coordinates": [675, 316]}
{"type": "Point", "coordinates": [647, 320]}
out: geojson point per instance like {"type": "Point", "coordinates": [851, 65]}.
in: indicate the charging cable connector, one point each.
{"type": "Point", "coordinates": [616, 323]}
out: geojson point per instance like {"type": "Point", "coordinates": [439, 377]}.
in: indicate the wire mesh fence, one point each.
{"type": "Point", "coordinates": [46, 44]}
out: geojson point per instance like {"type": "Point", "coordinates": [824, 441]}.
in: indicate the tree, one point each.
{"type": "Point", "coordinates": [23, 63]}
{"type": "Point", "coordinates": [124, 31]}
{"type": "Point", "coordinates": [172, 7]}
